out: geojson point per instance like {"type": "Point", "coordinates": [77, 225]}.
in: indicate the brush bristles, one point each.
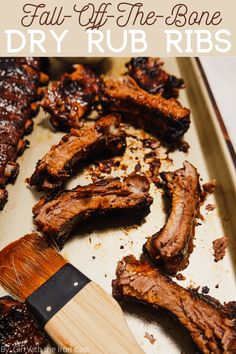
{"type": "Point", "coordinates": [26, 264]}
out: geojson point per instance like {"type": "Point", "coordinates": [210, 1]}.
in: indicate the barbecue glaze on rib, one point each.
{"type": "Point", "coordinates": [19, 331]}
{"type": "Point", "coordinates": [71, 98]}
{"type": "Point", "coordinates": [173, 244]}
{"type": "Point", "coordinates": [20, 79]}
{"type": "Point", "coordinates": [150, 76]}
{"type": "Point", "coordinates": [57, 216]}
{"type": "Point", "coordinates": [106, 137]}
{"type": "Point", "coordinates": [211, 325]}
{"type": "Point", "coordinates": [165, 118]}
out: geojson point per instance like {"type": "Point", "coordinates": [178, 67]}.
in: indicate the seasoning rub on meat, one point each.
{"type": "Point", "coordinates": [149, 75]}
{"type": "Point", "coordinates": [19, 331]}
{"type": "Point", "coordinates": [72, 97]}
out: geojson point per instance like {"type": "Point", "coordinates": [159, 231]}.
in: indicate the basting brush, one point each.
{"type": "Point", "coordinates": [75, 312]}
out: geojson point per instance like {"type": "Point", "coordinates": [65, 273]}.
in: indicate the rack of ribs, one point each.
{"type": "Point", "coordinates": [56, 216]}
{"type": "Point", "coordinates": [72, 98]}
{"type": "Point", "coordinates": [19, 331]}
{"type": "Point", "coordinates": [149, 75]}
{"type": "Point", "coordinates": [173, 244]}
{"type": "Point", "coordinates": [106, 137]}
{"type": "Point", "coordinates": [20, 79]}
{"type": "Point", "coordinates": [211, 325]}
{"type": "Point", "coordinates": [165, 118]}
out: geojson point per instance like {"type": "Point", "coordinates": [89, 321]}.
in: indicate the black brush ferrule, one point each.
{"type": "Point", "coordinates": [57, 291]}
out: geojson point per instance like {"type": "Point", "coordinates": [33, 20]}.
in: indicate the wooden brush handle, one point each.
{"type": "Point", "coordinates": [92, 322]}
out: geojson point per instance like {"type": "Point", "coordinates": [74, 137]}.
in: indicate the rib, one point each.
{"type": "Point", "coordinates": [71, 98]}
{"type": "Point", "coordinates": [173, 244]}
{"type": "Point", "coordinates": [19, 332]}
{"type": "Point", "coordinates": [106, 137]}
{"type": "Point", "coordinates": [165, 118]}
{"type": "Point", "coordinates": [150, 76]}
{"type": "Point", "coordinates": [20, 79]}
{"type": "Point", "coordinates": [57, 216]}
{"type": "Point", "coordinates": [211, 325]}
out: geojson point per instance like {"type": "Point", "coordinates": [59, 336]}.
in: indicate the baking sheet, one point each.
{"type": "Point", "coordinates": [96, 252]}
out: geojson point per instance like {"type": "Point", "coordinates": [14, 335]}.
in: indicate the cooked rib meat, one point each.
{"type": "Point", "coordinates": [57, 216]}
{"type": "Point", "coordinates": [19, 331]}
{"type": "Point", "coordinates": [165, 118]}
{"type": "Point", "coordinates": [150, 76]}
{"type": "Point", "coordinates": [71, 98]}
{"type": "Point", "coordinates": [106, 137]}
{"type": "Point", "coordinates": [211, 325]}
{"type": "Point", "coordinates": [19, 82]}
{"type": "Point", "coordinates": [172, 245]}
